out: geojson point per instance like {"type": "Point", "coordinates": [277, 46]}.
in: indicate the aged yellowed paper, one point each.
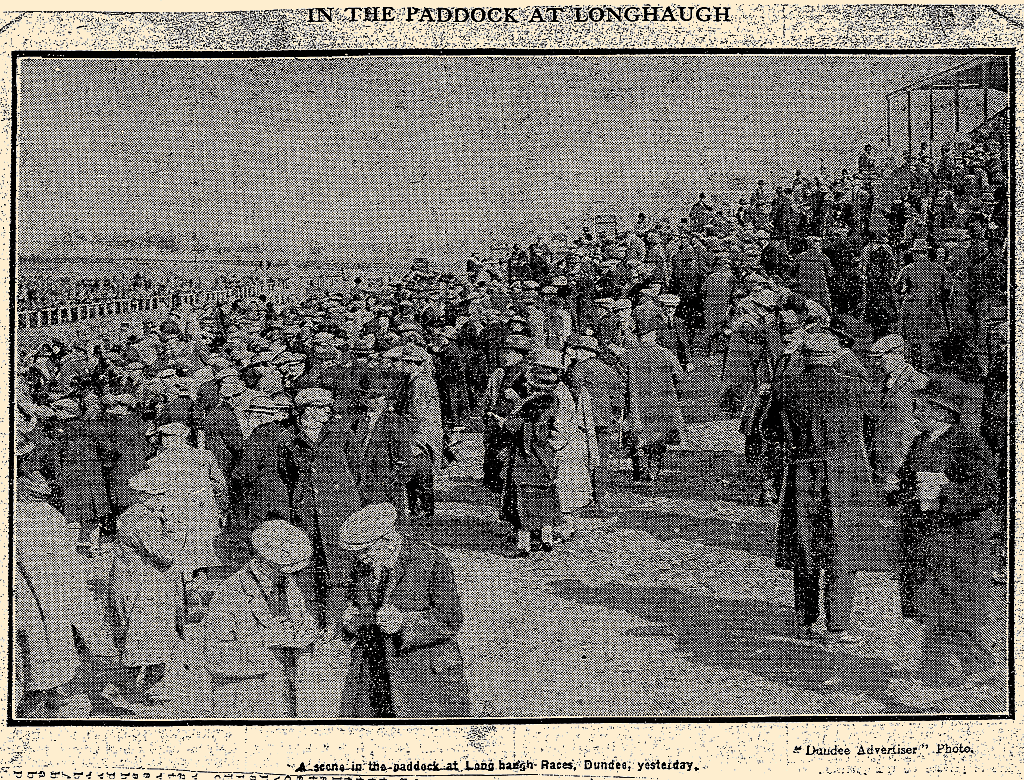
{"type": "Point", "coordinates": [582, 391]}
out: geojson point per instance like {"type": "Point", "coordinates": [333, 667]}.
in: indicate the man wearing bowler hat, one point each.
{"type": "Point", "coordinates": [945, 486]}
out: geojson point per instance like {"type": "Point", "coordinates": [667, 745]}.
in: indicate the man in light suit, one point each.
{"type": "Point", "coordinates": [259, 633]}
{"type": "Point", "coordinates": [894, 431]}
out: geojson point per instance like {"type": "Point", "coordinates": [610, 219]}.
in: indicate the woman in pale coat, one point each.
{"type": "Point", "coordinates": [49, 583]}
{"type": "Point", "coordinates": [576, 453]}
{"type": "Point", "coordinates": [146, 588]}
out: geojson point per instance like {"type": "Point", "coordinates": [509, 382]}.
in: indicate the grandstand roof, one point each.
{"type": "Point", "coordinates": [982, 73]}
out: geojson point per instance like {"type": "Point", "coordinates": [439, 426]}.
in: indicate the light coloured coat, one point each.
{"type": "Point", "coordinates": [895, 430]}
{"type": "Point", "coordinates": [250, 678]}
{"type": "Point", "coordinates": [653, 375]}
{"type": "Point", "coordinates": [575, 445]}
{"type": "Point", "coordinates": [146, 588]}
{"type": "Point", "coordinates": [49, 585]}
{"type": "Point", "coordinates": [192, 480]}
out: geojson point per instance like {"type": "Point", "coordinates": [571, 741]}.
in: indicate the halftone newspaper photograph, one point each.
{"type": "Point", "coordinates": [473, 382]}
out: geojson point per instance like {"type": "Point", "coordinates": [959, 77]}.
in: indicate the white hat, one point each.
{"type": "Point", "coordinates": [283, 544]}
{"type": "Point", "coordinates": [174, 429]}
{"type": "Point", "coordinates": [367, 526]}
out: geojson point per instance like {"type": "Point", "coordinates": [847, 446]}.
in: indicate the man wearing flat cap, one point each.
{"type": "Point", "coordinates": [557, 320]}
{"type": "Point", "coordinates": [828, 527]}
{"type": "Point", "coordinates": [145, 590]}
{"type": "Point", "coordinates": [647, 314]}
{"type": "Point", "coordinates": [402, 617]}
{"type": "Point", "coordinates": [194, 490]}
{"type": "Point", "coordinates": [176, 405]}
{"type": "Point", "coordinates": [323, 491]}
{"type": "Point", "coordinates": [654, 381]}
{"type": "Point", "coordinates": [73, 448]}
{"type": "Point", "coordinates": [424, 410]}
{"type": "Point", "coordinates": [322, 355]}
{"type": "Point", "coordinates": [894, 430]}
{"type": "Point", "coordinates": [672, 331]}
{"type": "Point", "coordinates": [529, 318]}
{"type": "Point", "coordinates": [259, 632]}
{"type": "Point", "coordinates": [613, 324]}
{"type": "Point", "coordinates": [604, 385]}
{"type": "Point", "coordinates": [292, 366]}
{"type": "Point", "coordinates": [261, 477]}
{"type": "Point", "coordinates": [380, 446]}
{"type": "Point", "coordinates": [127, 449]}
{"type": "Point", "coordinates": [207, 391]}
{"type": "Point", "coordinates": [814, 273]}
{"type": "Point", "coordinates": [222, 427]}
{"type": "Point", "coordinates": [450, 373]}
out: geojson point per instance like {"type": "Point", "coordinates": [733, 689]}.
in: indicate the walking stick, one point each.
{"type": "Point", "coordinates": [725, 356]}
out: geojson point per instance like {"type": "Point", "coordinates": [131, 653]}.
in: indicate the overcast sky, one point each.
{"type": "Point", "coordinates": [434, 155]}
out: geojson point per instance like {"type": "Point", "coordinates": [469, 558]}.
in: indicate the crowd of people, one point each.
{"type": "Point", "coordinates": [266, 473]}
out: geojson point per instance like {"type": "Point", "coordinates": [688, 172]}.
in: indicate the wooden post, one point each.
{"type": "Point", "coordinates": [888, 121]}
{"type": "Point", "coordinates": [984, 83]}
{"type": "Point", "coordinates": [931, 118]}
{"type": "Point", "coordinates": [910, 127]}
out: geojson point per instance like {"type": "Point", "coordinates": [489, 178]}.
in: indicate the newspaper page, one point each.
{"type": "Point", "coordinates": [612, 391]}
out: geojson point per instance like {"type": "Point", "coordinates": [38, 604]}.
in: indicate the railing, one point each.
{"type": "Point", "coordinates": [78, 312]}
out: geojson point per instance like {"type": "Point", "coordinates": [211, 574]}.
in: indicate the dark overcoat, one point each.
{"type": "Point", "coordinates": [261, 474]}
{"type": "Point", "coordinates": [224, 437]}
{"type": "Point", "coordinates": [128, 452]}
{"type": "Point", "coordinates": [813, 270]}
{"type": "Point", "coordinates": [653, 375]}
{"type": "Point", "coordinates": [944, 573]}
{"type": "Point", "coordinates": [422, 674]}
{"type": "Point", "coordinates": [75, 465]}
{"type": "Point", "coordinates": [828, 501]}
{"type": "Point", "coordinates": [180, 409]}
{"type": "Point", "coordinates": [380, 458]}
{"type": "Point", "coordinates": [453, 394]}
{"type": "Point", "coordinates": [324, 494]}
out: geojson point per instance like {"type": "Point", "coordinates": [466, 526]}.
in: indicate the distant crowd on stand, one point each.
{"type": "Point", "coordinates": [37, 291]}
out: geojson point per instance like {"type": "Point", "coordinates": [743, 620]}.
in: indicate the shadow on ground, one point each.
{"type": "Point", "coordinates": [737, 634]}
{"type": "Point", "coordinates": [754, 537]}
